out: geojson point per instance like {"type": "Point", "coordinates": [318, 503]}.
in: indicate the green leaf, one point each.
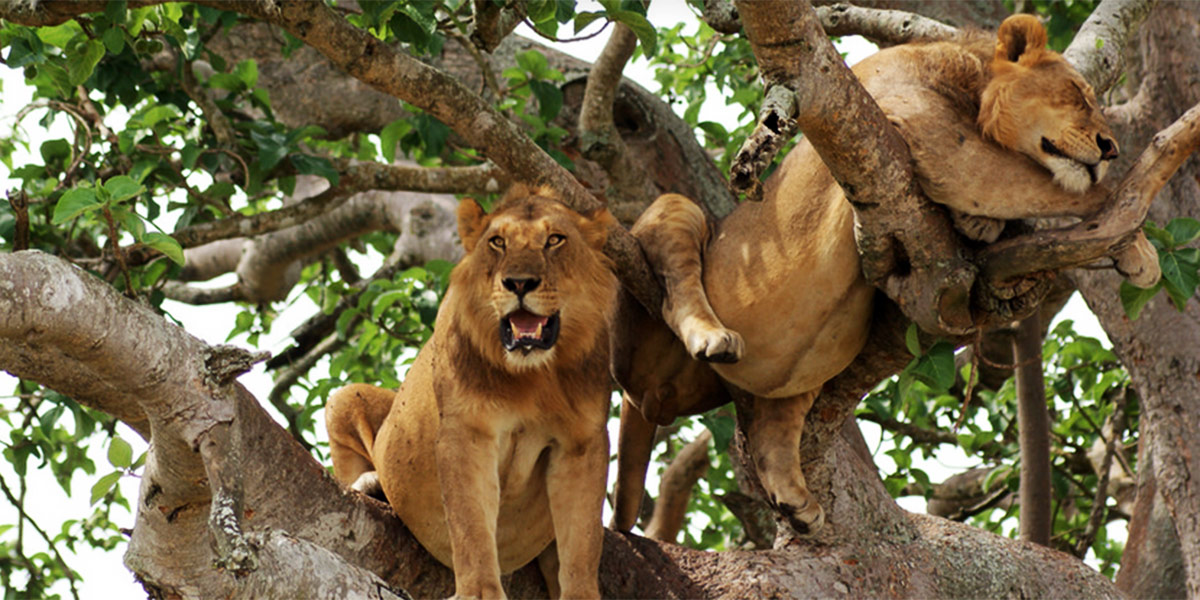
{"type": "Point", "coordinates": [584, 19]}
{"type": "Point", "coordinates": [1161, 238]}
{"type": "Point", "coordinates": [114, 40]}
{"type": "Point", "coordinates": [122, 188]}
{"type": "Point", "coordinates": [912, 340]}
{"type": "Point", "coordinates": [271, 149]}
{"type": "Point", "coordinates": [640, 26]}
{"type": "Point", "coordinates": [722, 427]}
{"type": "Point", "coordinates": [102, 487]}
{"type": "Point", "coordinates": [247, 72]}
{"type": "Point", "coordinates": [82, 61]}
{"type": "Point", "coordinates": [385, 300]}
{"type": "Point", "coordinates": [165, 244]}
{"type": "Point", "coordinates": [936, 367]}
{"type": "Point", "coordinates": [550, 98]}
{"type": "Point", "coordinates": [433, 133]}
{"type": "Point", "coordinates": [130, 221]}
{"type": "Point", "coordinates": [1179, 277]}
{"type": "Point", "coordinates": [390, 136]}
{"type": "Point", "coordinates": [73, 203]}
{"type": "Point", "coordinates": [534, 63]}
{"type": "Point", "coordinates": [1183, 230]}
{"type": "Point", "coordinates": [315, 165]}
{"type": "Point", "coordinates": [120, 453]}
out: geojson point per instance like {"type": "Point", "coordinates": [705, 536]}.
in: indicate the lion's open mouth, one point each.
{"type": "Point", "coordinates": [526, 331]}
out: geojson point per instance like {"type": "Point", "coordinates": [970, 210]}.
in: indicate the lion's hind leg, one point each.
{"type": "Point", "coordinates": [673, 233]}
{"type": "Point", "coordinates": [353, 415]}
{"type": "Point", "coordinates": [774, 438]}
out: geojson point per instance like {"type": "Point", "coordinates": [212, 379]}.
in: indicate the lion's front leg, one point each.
{"type": "Point", "coordinates": [467, 458]}
{"type": "Point", "coordinates": [673, 232]}
{"type": "Point", "coordinates": [774, 438]}
{"type": "Point", "coordinates": [575, 482]}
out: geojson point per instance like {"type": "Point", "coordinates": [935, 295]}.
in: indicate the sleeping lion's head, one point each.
{"type": "Point", "coordinates": [534, 289]}
{"type": "Point", "coordinates": [1037, 104]}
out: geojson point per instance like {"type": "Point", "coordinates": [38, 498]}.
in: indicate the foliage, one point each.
{"type": "Point", "coordinates": [1085, 384]}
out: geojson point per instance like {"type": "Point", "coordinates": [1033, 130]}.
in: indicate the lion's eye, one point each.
{"type": "Point", "coordinates": [555, 240]}
{"type": "Point", "coordinates": [496, 242]}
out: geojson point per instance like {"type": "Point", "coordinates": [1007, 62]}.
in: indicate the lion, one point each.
{"type": "Point", "coordinates": [494, 451]}
{"type": "Point", "coordinates": [773, 298]}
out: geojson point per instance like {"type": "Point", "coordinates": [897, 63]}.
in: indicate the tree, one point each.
{"type": "Point", "coordinates": [218, 88]}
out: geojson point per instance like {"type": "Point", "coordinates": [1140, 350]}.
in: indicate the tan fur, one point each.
{"type": "Point", "coordinates": [784, 274]}
{"type": "Point", "coordinates": [518, 437]}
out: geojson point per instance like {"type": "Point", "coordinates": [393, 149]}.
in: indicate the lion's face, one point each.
{"type": "Point", "coordinates": [1038, 105]}
{"type": "Point", "coordinates": [544, 290]}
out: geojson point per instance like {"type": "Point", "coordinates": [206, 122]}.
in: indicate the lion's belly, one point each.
{"type": "Point", "coordinates": [404, 455]}
{"type": "Point", "coordinates": [786, 275]}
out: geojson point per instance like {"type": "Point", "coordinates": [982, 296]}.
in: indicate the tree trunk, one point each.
{"type": "Point", "coordinates": [1160, 348]}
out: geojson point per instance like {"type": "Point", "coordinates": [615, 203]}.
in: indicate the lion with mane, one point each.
{"type": "Point", "coordinates": [494, 451]}
{"type": "Point", "coordinates": [773, 298]}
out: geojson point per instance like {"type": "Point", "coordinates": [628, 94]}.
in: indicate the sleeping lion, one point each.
{"type": "Point", "coordinates": [494, 451]}
{"type": "Point", "coordinates": [773, 296]}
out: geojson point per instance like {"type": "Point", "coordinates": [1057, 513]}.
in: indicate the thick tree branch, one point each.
{"type": "Point", "coordinates": [868, 158]}
{"type": "Point", "coordinates": [354, 177]}
{"type": "Point", "coordinates": [1034, 426]}
{"type": "Point", "coordinates": [1099, 45]}
{"type": "Point", "coordinates": [631, 188]}
{"type": "Point", "coordinates": [882, 25]}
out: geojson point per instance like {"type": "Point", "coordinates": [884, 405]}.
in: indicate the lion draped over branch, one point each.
{"type": "Point", "coordinates": [773, 298]}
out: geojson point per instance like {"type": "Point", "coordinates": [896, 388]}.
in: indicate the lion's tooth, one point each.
{"type": "Point", "coordinates": [538, 332]}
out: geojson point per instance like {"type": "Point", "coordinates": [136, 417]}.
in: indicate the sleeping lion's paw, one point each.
{"type": "Point", "coordinates": [1138, 262]}
{"type": "Point", "coordinates": [980, 229]}
{"type": "Point", "coordinates": [712, 344]}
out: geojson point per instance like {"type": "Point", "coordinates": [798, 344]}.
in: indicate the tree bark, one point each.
{"type": "Point", "coordinates": [1159, 348]}
{"type": "Point", "coordinates": [1034, 424]}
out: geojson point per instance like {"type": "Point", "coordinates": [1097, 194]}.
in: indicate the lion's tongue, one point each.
{"type": "Point", "coordinates": [526, 324]}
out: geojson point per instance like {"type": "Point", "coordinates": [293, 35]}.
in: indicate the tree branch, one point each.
{"type": "Point", "coordinates": [675, 489]}
{"type": "Point", "coordinates": [868, 158]}
{"type": "Point", "coordinates": [599, 140]}
{"type": "Point", "coordinates": [1098, 47]}
{"type": "Point", "coordinates": [882, 25]}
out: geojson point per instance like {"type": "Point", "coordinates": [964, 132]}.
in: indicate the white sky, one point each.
{"type": "Point", "coordinates": [103, 574]}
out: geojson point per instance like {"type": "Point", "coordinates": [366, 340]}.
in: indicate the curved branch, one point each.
{"type": "Point", "coordinates": [1099, 45]}
{"type": "Point", "coordinates": [882, 25]}
{"type": "Point", "coordinates": [1111, 229]}
{"type": "Point", "coordinates": [598, 137]}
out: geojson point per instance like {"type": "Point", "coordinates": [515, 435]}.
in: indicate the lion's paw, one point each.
{"type": "Point", "coordinates": [1139, 263]}
{"type": "Point", "coordinates": [806, 519]}
{"type": "Point", "coordinates": [368, 484]}
{"type": "Point", "coordinates": [715, 344]}
{"type": "Point", "coordinates": [980, 229]}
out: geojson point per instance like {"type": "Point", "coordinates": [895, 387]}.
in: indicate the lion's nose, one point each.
{"type": "Point", "coordinates": [521, 285]}
{"type": "Point", "coordinates": [1108, 147]}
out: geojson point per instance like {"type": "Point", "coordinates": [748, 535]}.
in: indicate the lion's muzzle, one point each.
{"type": "Point", "coordinates": [527, 331]}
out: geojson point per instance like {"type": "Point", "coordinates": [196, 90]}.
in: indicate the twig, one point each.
{"type": "Point", "coordinates": [20, 205]}
{"type": "Point", "coordinates": [114, 243]}
{"type": "Point", "coordinates": [565, 40]}
{"type": "Point", "coordinates": [22, 517]}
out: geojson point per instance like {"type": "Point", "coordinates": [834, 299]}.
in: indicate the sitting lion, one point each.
{"type": "Point", "coordinates": [494, 451]}
{"type": "Point", "coordinates": [773, 296]}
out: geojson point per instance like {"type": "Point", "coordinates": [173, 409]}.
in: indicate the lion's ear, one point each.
{"type": "Point", "coordinates": [1021, 38]}
{"type": "Point", "coordinates": [594, 227]}
{"type": "Point", "coordinates": [471, 223]}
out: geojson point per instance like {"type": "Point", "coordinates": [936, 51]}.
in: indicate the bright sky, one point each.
{"type": "Point", "coordinates": [104, 576]}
